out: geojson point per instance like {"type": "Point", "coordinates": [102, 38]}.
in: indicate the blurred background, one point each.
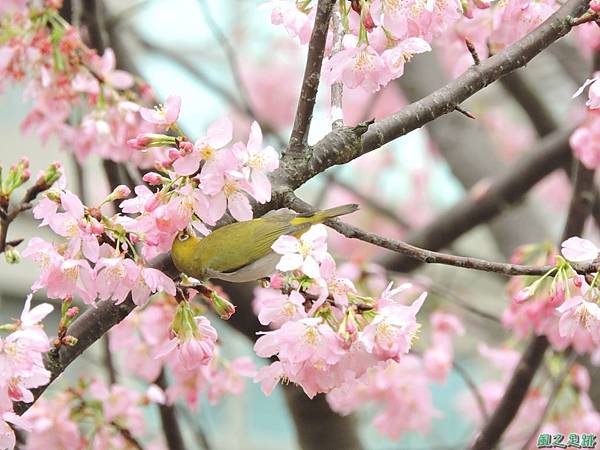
{"type": "Point", "coordinates": [189, 48]}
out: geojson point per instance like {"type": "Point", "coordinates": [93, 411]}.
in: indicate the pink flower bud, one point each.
{"type": "Point", "coordinates": [96, 227]}
{"type": "Point", "coordinates": [72, 312]}
{"type": "Point", "coordinates": [26, 175]}
{"type": "Point", "coordinates": [484, 4]}
{"type": "Point", "coordinates": [173, 154]}
{"type": "Point", "coordinates": [276, 281]}
{"type": "Point", "coordinates": [522, 295]}
{"type": "Point", "coordinates": [121, 192]}
{"type": "Point", "coordinates": [153, 179]}
{"type": "Point", "coordinates": [595, 5]}
{"type": "Point", "coordinates": [368, 22]}
{"type": "Point", "coordinates": [140, 142]}
{"type": "Point", "coordinates": [556, 299]}
{"type": "Point", "coordinates": [186, 147]}
{"type": "Point", "coordinates": [578, 281]}
{"type": "Point", "coordinates": [223, 307]}
{"type": "Point", "coordinates": [24, 161]}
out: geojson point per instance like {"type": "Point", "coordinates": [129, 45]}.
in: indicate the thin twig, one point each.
{"type": "Point", "coordinates": [127, 435]}
{"type": "Point", "coordinates": [464, 112]}
{"type": "Point", "coordinates": [455, 299]}
{"type": "Point", "coordinates": [554, 390]}
{"type": "Point", "coordinates": [337, 88]}
{"type": "Point", "coordinates": [473, 52]}
{"type": "Point", "coordinates": [431, 257]}
{"type": "Point", "coordinates": [230, 54]}
{"type": "Point", "coordinates": [504, 191]}
{"type": "Point", "coordinates": [312, 75]}
{"type": "Point", "coordinates": [201, 437]}
{"type": "Point", "coordinates": [464, 374]}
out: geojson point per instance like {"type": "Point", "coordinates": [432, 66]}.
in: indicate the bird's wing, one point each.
{"type": "Point", "coordinates": [261, 268]}
{"type": "Point", "coordinates": [232, 258]}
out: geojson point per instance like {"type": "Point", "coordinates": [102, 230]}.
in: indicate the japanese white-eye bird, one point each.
{"type": "Point", "coordinates": [241, 251]}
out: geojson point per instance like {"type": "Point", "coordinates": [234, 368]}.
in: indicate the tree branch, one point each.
{"type": "Point", "coordinates": [168, 418]}
{"type": "Point", "coordinates": [312, 75]}
{"type": "Point", "coordinates": [431, 257]}
{"type": "Point", "coordinates": [345, 144]}
{"type": "Point", "coordinates": [554, 390]}
{"type": "Point", "coordinates": [492, 431]}
{"type": "Point", "coordinates": [517, 226]}
{"type": "Point", "coordinates": [337, 88]}
{"type": "Point", "coordinates": [230, 54]}
{"type": "Point", "coordinates": [505, 190]}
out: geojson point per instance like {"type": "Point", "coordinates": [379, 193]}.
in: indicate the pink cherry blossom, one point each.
{"type": "Point", "coordinates": [105, 67]}
{"type": "Point", "coordinates": [392, 331]}
{"type": "Point", "coordinates": [296, 22]}
{"type": "Point", "coordinates": [60, 275]}
{"type": "Point", "coordinates": [205, 149]}
{"type": "Point", "coordinates": [258, 161]}
{"type": "Point", "coordinates": [231, 379]}
{"type": "Point", "coordinates": [357, 65]}
{"type": "Point", "coordinates": [74, 225]}
{"type": "Point", "coordinates": [307, 349]}
{"type": "Point", "coordinates": [576, 249]}
{"type": "Point", "coordinates": [227, 188]}
{"type": "Point", "coordinates": [195, 347]}
{"type": "Point", "coordinates": [304, 253]}
{"type": "Point", "coordinates": [516, 19]}
{"type": "Point", "coordinates": [585, 142]}
{"type": "Point", "coordinates": [577, 312]}
{"type": "Point", "coordinates": [333, 284]}
{"type": "Point", "coordinates": [150, 281]}
{"type": "Point", "coordinates": [396, 57]}
{"type": "Point", "coordinates": [166, 114]}
{"type": "Point", "coordinates": [276, 308]}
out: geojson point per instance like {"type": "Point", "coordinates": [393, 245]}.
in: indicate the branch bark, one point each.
{"type": "Point", "coordinates": [312, 75]}
{"type": "Point", "coordinates": [467, 148]}
{"type": "Point", "coordinates": [503, 191]}
{"type": "Point", "coordinates": [345, 144]}
{"type": "Point", "coordinates": [431, 257]}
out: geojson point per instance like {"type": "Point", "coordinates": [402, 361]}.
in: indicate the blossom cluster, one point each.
{"type": "Point", "coordinates": [562, 305]}
{"type": "Point", "coordinates": [402, 388]}
{"type": "Point", "coordinates": [329, 338]}
{"type": "Point", "coordinates": [382, 36]}
{"type": "Point", "coordinates": [78, 96]}
{"type": "Point", "coordinates": [21, 366]}
{"type": "Point", "coordinates": [150, 337]}
{"type": "Point", "coordinates": [91, 415]}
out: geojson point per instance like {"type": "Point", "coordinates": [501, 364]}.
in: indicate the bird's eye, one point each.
{"type": "Point", "coordinates": [183, 236]}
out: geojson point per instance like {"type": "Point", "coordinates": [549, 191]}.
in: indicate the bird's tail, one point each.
{"type": "Point", "coordinates": [325, 214]}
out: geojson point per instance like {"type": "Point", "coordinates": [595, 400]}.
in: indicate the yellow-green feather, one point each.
{"type": "Point", "coordinates": [236, 245]}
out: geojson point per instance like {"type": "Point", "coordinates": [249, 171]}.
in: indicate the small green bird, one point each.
{"type": "Point", "coordinates": [241, 251]}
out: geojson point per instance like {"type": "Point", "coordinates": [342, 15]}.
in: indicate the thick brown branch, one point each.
{"type": "Point", "coordinates": [312, 75]}
{"type": "Point", "coordinates": [503, 191]}
{"type": "Point", "coordinates": [343, 145]}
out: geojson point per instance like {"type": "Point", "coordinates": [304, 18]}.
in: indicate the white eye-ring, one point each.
{"type": "Point", "coordinates": [183, 237]}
